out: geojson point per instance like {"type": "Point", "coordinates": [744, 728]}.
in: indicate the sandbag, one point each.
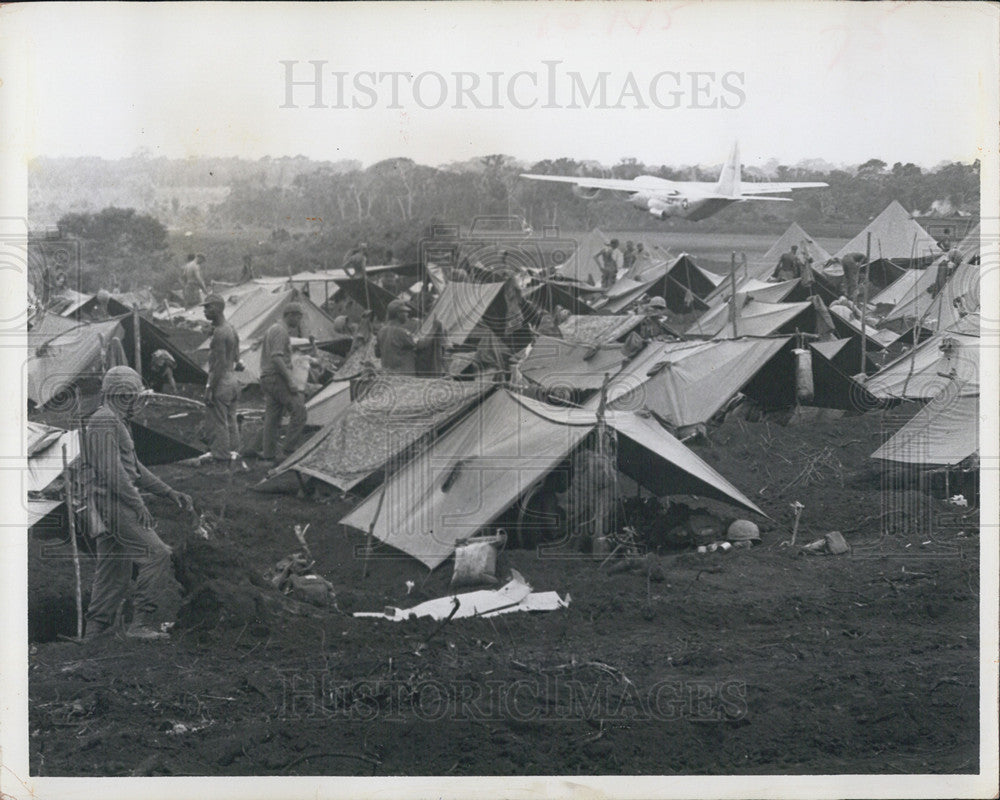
{"type": "Point", "coordinates": [803, 375]}
{"type": "Point", "coordinates": [476, 562]}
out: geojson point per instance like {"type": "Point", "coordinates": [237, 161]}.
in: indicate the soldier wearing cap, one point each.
{"type": "Point", "coordinates": [397, 347]}
{"type": "Point", "coordinates": [115, 477]}
{"type": "Point", "coordinates": [281, 393]}
{"type": "Point", "coordinates": [223, 389]}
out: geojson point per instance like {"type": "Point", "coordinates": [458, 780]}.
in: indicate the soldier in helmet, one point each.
{"type": "Point", "coordinates": [116, 476]}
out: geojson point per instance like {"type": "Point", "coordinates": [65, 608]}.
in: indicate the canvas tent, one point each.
{"type": "Point", "coordinates": [765, 291]}
{"type": "Point", "coordinates": [151, 339]}
{"type": "Point", "coordinates": [394, 413]}
{"type": "Point", "coordinates": [896, 237]}
{"type": "Point", "coordinates": [944, 432]}
{"type": "Point", "coordinates": [581, 266]}
{"type": "Point", "coordinates": [599, 329]}
{"type": "Point", "coordinates": [944, 359]}
{"type": "Point", "coordinates": [328, 403]}
{"type": "Point", "coordinates": [258, 310]}
{"type": "Point", "coordinates": [45, 465]}
{"type": "Point", "coordinates": [561, 363]}
{"type": "Point", "coordinates": [499, 451]}
{"type": "Point", "coordinates": [764, 267]}
{"type": "Point", "coordinates": [936, 312]}
{"type": "Point", "coordinates": [687, 383]}
{"type": "Point", "coordinates": [464, 305]}
{"type": "Point", "coordinates": [756, 318]}
{"type": "Point", "coordinates": [57, 363]}
{"type": "Point", "coordinates": [684, 285]}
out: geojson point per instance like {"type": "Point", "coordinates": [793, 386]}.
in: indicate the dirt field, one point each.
{"type": "Point", "coordinates": [759, 661]}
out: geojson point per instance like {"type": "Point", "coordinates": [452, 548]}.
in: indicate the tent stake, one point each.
{"type": "Point", "coordinates": [72, 538]}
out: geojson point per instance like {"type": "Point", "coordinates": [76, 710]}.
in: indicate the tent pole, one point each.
{"type": "Point", "coordinates": [732, 299]}
{"type": "Point", "coordinates": [70, 517]}
{"type": "Point", "coordinates": [864, 307]}
{"type": "Point", "coordinates": [371, 527]}
{"type": "Point", "coordinates": [136, 339]}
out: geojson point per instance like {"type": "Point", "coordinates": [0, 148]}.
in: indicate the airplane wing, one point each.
{"type": "Point", "coordinates": [775, 188]}
{"type": "Point", "coordinates": [609, 184]}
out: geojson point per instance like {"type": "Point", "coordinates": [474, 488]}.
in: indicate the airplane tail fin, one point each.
{"type": "Point", "coordinates": [729, 180]}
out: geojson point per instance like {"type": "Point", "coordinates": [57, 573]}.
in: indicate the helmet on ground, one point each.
{"type": "Point", "coordinates": [743, 530]}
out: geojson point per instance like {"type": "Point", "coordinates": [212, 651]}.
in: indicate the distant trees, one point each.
{"type": "Point", "coordinates": [118, 247]}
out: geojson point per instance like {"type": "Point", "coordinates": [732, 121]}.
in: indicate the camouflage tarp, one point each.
{"type": "Point", "coordinates": [393, 414]}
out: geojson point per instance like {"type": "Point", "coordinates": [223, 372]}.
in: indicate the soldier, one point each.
{"type": "Point", "coordinates": [223, 389]}
{"type": "Point", "coordinates": [115, 477]}
{"type": "Point", "coordinates": [281, 394]}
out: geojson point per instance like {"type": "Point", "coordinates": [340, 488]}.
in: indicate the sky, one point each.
{"type": "Point", "coordinates": [843, 82]}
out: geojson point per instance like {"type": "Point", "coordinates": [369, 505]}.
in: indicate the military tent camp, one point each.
{"type": "Point", "coordinates": [394, 412]}
{"type": "Point", "coordinates": [687, 383]}
{"type": "Point", "coordinates": [501, 450]}
{"type": "Point", "coordinates": [944, 432]}
{"type": "Point", "coordinates": [896, 237]}
{"type": "Point", "coordinates": [929, 368]}
{"type": "Point", "coordinates": [59, 362]}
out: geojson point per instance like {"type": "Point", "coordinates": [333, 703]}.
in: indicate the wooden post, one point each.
{"type": "Point", "coordinates": [70, 516]}
{"type": "Point", "coordinates": [864, 308]}
{"type": "Point", "coordinates": [136, 340]}
{"type": "Point", "coordinates": [371, 527]}
{"type": "Point", "coordinates": [732, 299]}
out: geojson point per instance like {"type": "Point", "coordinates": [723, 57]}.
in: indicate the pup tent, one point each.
{"type": "Point", "coordinates": [498, 453]}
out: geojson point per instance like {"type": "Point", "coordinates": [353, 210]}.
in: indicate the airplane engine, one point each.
{"type": "Point", "coordinates": [660, 212]}
{"type": "Point", "coordinates": [586, 194]}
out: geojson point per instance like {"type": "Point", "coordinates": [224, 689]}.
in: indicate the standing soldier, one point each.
{"type": "Point", "coordinates": [629, 256]}
{"type": "Point", "coordinates": [116, 476]}
{"type": "Point", "coordinates": [356, 261]}
{"type": "Point", "coordinates": [852, 264]}
{"type": "Point", "coordinates": [281, 394]}
{"type": "Point", "coordinates": [194, 284]}
{"type": "Point", "coordinates": [398, 348]}
{"type": "Point", "coordinates": [222, 390]}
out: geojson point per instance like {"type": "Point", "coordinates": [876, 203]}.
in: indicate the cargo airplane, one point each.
{"type": "Point", "coordinates": [692, 200]}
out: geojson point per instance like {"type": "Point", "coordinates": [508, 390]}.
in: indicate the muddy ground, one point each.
{"type": "Point", "coordinates": [757, 661]}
